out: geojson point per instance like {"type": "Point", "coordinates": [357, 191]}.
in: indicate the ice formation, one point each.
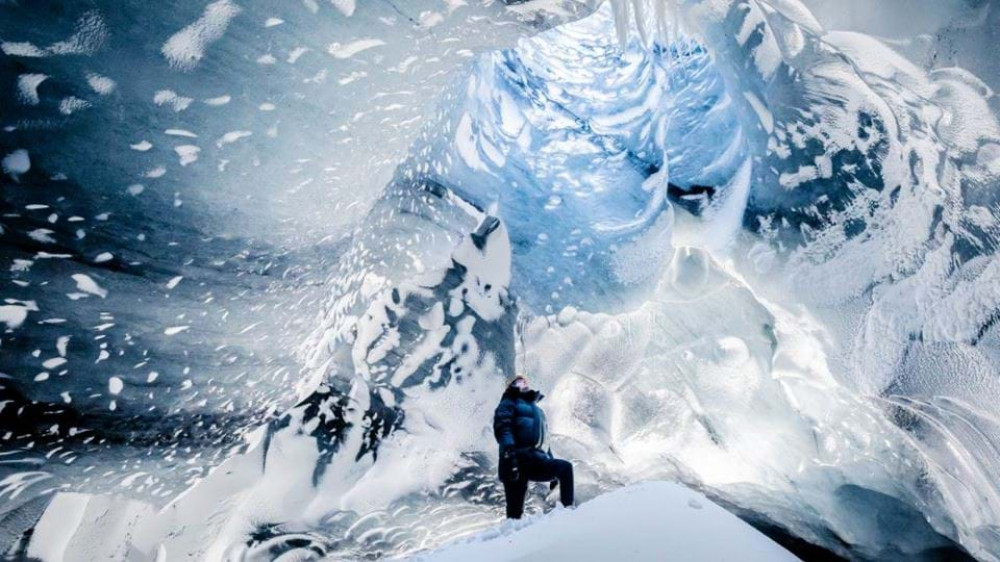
{"type": "Point", "coordinates": [267, 268]}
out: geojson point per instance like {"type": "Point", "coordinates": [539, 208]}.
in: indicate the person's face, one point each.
{"type": "Point", "coordinates": [521, 385]}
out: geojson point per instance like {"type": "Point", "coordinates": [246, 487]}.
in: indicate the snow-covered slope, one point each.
{"type": "Point", "coordinates": [649, 521]}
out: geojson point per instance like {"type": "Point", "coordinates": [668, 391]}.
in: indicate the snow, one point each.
{"type": "Point", "coordinates": [232, 137]}
{"type": "Point", "coordinates": [72, 104]}
{"type": "Point", "coordinates": [648, 521]}
{"type": "Point", "coordinates": [89, 35]}
{"type": "Point", "coordinates": [348, 50]}
{"type": "Point", "coordinates": [16, 163]}
{"type": "Point", "coordinates": [185, 49]}
{"type": "Point", "coordinates": [87, 284]}
{"type": "Point", "coordinates": [13, 315]}
{"type": "Point", "coordinates": [53, 362]}
{"type": "Point", "coordinates": [764, 114]}
{"type": "Point", "coordinates": [43, 235]}
{"type": "Point", "coordinates": [101, 84]}
{"type": "Point", "coordinates": [187, 154]}
{"type": "Point", "coordinates": [218, 101]}
{"type": "Point", "coordinates": [345, 7]}
{"type": "Point", "coordinates": [27, 86]}
{"type": "Point", "coordinates": [171, 99]}
{"type": "Point", "coordinates": [65, 513]}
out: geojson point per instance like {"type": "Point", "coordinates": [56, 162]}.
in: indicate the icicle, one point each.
{"type": "Point", "coordinates": [639, 8]}
{"type": "Point", "coordinates": [621, 12]}
{"type": "Point", "coordinates": [661, 13]}
{"type": "Point", "coordinates": [674, 15]}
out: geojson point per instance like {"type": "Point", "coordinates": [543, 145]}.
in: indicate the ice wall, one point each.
{"type": "Point", "coordinates": [733, 248]}
{"type": "Point", "coordinates": [177, 183]}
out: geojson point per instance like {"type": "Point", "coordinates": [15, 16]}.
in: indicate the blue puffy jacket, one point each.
{"type": "Point", "coordinates": [518, 422]}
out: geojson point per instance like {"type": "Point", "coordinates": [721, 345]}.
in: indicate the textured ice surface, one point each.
{"type": "Point", "coordinates": [304, 244]}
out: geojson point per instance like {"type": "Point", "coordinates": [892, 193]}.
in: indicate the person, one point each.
{"type": "Point", "coordinates": [525, 456]}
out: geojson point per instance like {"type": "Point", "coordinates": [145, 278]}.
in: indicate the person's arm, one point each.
{"type": "Point", "coordinates": [503, 425]}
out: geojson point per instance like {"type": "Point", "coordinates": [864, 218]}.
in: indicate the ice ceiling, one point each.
{"type": "Point", "coordinates": [265, 268]}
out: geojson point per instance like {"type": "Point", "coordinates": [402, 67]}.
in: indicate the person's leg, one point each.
{"type": "Point", "coordinates": [543, 468]}
{"type": "Point", "coordinates": [514, 493]}
{"type": "Point", "coordinates": [564, 473]}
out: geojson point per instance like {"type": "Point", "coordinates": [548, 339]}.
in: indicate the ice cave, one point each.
{"type": "Point", "coordinates": [266, 267]}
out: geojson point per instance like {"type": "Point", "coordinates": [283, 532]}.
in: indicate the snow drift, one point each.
{"type": "Point", "coordinates": [652, 521]}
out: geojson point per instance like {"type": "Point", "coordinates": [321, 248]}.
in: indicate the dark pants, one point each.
{"type": "Point", "coordinates": [537, 466]}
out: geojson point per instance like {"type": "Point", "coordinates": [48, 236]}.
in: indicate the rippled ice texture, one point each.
{"type": "Point", "coordinates": [731, 247]}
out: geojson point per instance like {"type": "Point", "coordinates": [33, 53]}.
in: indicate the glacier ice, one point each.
{"type": "Point", "coordinates": [266, 265]}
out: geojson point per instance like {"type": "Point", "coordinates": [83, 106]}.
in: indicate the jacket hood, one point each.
{"type": "Point", "coordinates": [529, 396]}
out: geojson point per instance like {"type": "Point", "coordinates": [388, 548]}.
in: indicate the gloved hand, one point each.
{"type": "Point", "coordinates": [509, 470]}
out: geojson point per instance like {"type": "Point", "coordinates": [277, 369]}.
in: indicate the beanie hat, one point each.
{"type": "Point", "coordinates": [511, 380]}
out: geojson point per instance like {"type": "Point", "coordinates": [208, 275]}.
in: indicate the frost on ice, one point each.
{"type": "Point", "coordinates": [186, 48]}
{"type": "Point", "coordinates": [295, 248]}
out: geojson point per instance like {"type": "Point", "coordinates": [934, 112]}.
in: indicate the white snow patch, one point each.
{"type": "Point", "coordinates": [16, 163]}
{"type": "Point", "coordinates": [216, 102]}
{"type": "Point", "coordinates": [188, 153]}
{"type": "Point", "coordinates": [27, 87]}
{"type": "Point", "coordinates": [58, 525]}
{"type": "Point", "coordinates": [21, 49]}
{"type": "Point", "coordinates": [174, 330]}
{"type": "Point", "coordinates": [185, 49]}
{"type": "Point", "coordinates": [345, 7]}
{"type": "Point", "coordinates": [465, 141]}
{"type": "Point", "coordinates": [13, 315]}
{"type": "Point", "coordinates": [348, 50]}
{"type": "Point", "coordinates": [141, 146]}
{"type": "Point", "coordinates": [297, 52]}
{"type": "Point", "coordinates": [763, 113]}
{"type": "Point", "coordinates": [72, 104]}
{"type": "Point", "coordinates": [54, 362]}
{"type": "Point", "coordinates": [232, 137]}
{"type": "Point", "coordinates": [42, 235]}
{"type": "Point", "coordinates": [171, 99]}
{"type": "Point", "coordinates": [430, 19]}
{"type": "Point", "coordinates": [88, 36]}
{"type": "Point", "coordinates": [86, 284]}
{"type": "Point", "coordinates": [181, 133]}
{"type": "Point", "coordinates": [642, 522]}
{"type": "Point", "coordinates": [115, 385]}
{"type": "Point", "coordinates": [101, 84]}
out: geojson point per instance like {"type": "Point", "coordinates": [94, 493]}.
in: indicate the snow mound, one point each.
{"type": "Point", "coordinates": [649, 521]}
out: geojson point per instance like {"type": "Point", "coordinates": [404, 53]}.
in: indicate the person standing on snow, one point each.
{"type": "Point", "coordinates": [519, 428]}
